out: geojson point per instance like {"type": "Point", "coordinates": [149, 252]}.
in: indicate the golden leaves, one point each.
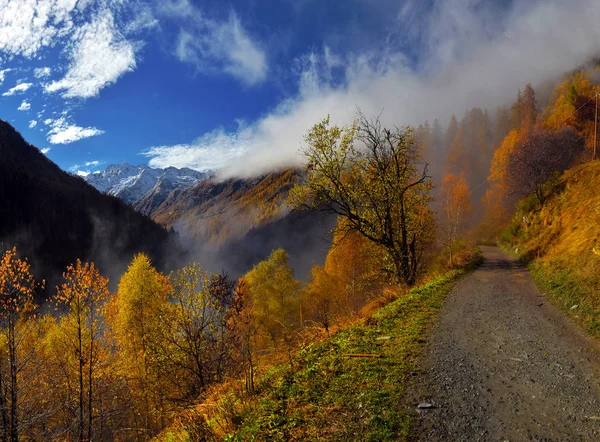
{"type": "Point", "coordinates": [17, 284]}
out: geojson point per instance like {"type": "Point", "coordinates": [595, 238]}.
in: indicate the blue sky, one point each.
{"type": "Point", "coordinates": [235, 85]}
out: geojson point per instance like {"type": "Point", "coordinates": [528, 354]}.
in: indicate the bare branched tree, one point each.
{"type": "Point", "coordinates": [537, 158]}
{"type": "Point", "coordinates": [375, 179]}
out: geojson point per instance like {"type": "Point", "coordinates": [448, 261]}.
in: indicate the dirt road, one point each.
{"type": "Point", "coordinates": [504, 365]}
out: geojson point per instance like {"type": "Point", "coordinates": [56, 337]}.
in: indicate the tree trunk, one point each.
{"type": "Point", "coordinates": [14, 411]}
{"type": "Point", "coordinates": [80, 351]}
{"type": "Point", "coordinates": [90, 388]}
{"type": "Point", "coordinates": [414, 262]}
{"type": "Point", "coordinates": [405, 263]}
{"type": "Point", "coordinates": [4, 410]}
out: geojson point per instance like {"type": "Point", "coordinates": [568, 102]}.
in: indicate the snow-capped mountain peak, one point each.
{"type": "Point", "coordinates": [130, 183]}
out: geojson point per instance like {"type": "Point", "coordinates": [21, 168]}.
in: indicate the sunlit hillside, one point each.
{"type": "Point", "coordinates": [562, 242]}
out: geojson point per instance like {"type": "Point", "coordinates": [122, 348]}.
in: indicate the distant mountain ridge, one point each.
{"type": "Point", "coordinates": [226, 224]}
{"type": "Point", "coordinates": [238, 222]}
{"type": "Point", "coordinates": [134, 183]}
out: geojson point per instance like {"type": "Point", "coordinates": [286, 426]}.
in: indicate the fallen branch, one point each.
{"type": "Point", "coordinates": [362, 355]}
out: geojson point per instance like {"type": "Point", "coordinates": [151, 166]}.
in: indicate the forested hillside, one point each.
{"type": "Point", "coordinates": [54, 217]}
{"type": "Point", "coordinates": [217, 211]}
{"type": "Point", "coordinates": [234, 224]}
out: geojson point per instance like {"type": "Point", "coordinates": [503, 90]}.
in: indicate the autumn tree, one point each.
{"type": "Point", "coordinates": [572, 105]}
{"type": "Point", "coordinates": [471, 153]}
{"type": "Point", "coordinates": [350, 278]}
{"type": "Point", "coordinates": [375, 179]}
{"type": "Point", "coordinates": [529, 109]}
{"type": "Point", "coordinates": [80, 299]}
{"type": "Point", "coordinates": [137, 317]}
{"type": "Point", "coordinates": [537, 158]}
{"type": "Point", "coordinates": [201, 328]}
{"type": "Point", "coordinates": [319, 298]}
{"type": "Point", "coordinates": [246, 332]}
{"type": "Point", "coordinates": [455, 209]}
{"type": "Point", "coordinates": [17, 288]}
{"type": "Point", "coordinates": [274, 300]}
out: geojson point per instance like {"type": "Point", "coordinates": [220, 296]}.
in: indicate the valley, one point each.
{"type": "Point", "coordinates": [299, 221]}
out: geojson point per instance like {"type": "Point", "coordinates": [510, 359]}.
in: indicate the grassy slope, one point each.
{"type": "Point", "coordinates": [327, 396]}
{"type": "Point", "coordinates": [561, 243]}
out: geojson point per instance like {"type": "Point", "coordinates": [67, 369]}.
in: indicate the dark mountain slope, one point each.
{"type": "Point", "coordinates": [305, 236]}
{"type": "Point", "coordinates": [54, 217]}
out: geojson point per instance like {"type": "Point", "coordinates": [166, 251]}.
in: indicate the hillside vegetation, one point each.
{"type": "Point", "coordinates": [561, 242]}
{"type": "Point", "coordinates": [348, 387]}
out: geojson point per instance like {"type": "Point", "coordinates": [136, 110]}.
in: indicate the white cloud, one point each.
{"type": "Point", "coordinates": [42, 72]}
{"type": "Point", "coordinates": [32, 124]}
{"type": "Point", "coordinates": [63, 132]}
{"type": "Point", "coordinates": [26, 26]}
{"type": "Point", "coordinates": [212, 151]}
{"type": "Point", "coordinates": [85, 169]}
{"type": "Point", "coordinates": [464, 66]}
{"type": "Point", "coordinates": [3, 73]}
{"type": "Point", "coordinates": [25, 106]}
{"type": "Point", "coordinates": [18, 89]}
{"type": "Point", "coordinates": [100, 55]}
{"type": "Point", "coordinates": [217, 46]}
{"type": "Point", "coordinates": [45, 150]}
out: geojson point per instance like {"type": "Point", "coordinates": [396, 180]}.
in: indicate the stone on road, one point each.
{"type": "Point", "coordinates": [503, 365]}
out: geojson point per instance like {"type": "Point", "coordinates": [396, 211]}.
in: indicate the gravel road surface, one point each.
{"type": "Point", "coordinates": [505, 365]}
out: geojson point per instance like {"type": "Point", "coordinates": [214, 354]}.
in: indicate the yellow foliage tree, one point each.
{"type": "Point", "coordinates": [455, 209]}
{"type": "Point", "coordinates": [137, 317]}
{"type": "Point", "coordinates": [274, 298]}
{"type": "Point", "coordinates": [201, 330]}
{"type": "Point", "coordinates": [376, 180]}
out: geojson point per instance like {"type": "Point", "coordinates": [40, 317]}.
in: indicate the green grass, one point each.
{"type": "Point", "coordinates": [327, 396]}
{"type": "Point", "coordinates": [565, 289]}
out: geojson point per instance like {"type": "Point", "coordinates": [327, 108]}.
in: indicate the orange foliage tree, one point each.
{"type": "Point", "coordinates": [81, 296]}
{"type": "Point", "coordinates": [17, 288]}
{"type": "Point", "coordinates": [496, 206]}
{"type": "Point", "coordinates": [351, 276]}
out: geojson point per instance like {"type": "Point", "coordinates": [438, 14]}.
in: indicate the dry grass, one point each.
{"type": "Point", "coordinates": [561, 242]}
